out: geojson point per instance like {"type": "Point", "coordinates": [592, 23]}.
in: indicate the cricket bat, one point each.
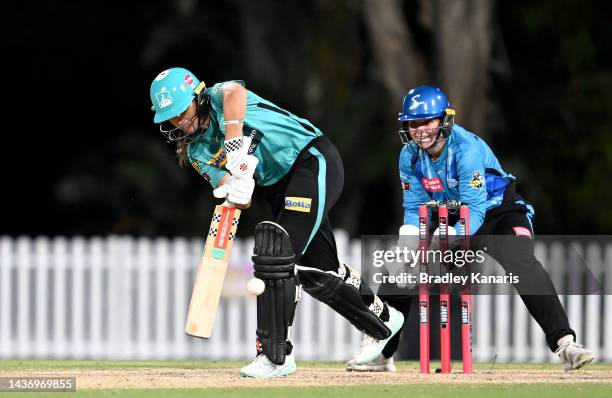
{"type": "Point", "coordinates": [210, 275]}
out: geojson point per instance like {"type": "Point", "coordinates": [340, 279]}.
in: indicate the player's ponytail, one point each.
{"type": "Point", "coordinates": [181, 153]}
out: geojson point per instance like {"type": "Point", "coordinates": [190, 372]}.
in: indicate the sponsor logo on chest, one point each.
{"type": "Point", "coordinates": [432, 184]}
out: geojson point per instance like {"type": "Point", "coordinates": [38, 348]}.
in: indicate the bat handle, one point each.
{"type": "Point", "coordinates": [227, 203]}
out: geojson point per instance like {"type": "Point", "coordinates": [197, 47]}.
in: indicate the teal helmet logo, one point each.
{"type": "Point", "coordinates": [171, 93]}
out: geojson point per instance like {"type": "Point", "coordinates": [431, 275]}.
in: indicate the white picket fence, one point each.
{"type": "Point", "coordinates": [126, 298]}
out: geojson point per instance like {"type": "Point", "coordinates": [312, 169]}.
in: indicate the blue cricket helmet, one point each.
{"type": "Point", "coordinates": [172, 92]}
{"type": "Point", "coordinates": [426, 103]}
{"type": "Point", "coordinates": [423, 103]}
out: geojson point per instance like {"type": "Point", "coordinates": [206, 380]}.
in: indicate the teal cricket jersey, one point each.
{"type": "Point", "coordinates": [279, 137]}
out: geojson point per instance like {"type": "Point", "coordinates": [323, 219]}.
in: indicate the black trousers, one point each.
{"type": "Point", "coordinates": [503, 234]}
{"type": "Point", "coordinates": [301, 202]}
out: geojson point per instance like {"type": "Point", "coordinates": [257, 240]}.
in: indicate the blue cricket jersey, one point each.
{"type": "Point", "coordinates": [467, 170]}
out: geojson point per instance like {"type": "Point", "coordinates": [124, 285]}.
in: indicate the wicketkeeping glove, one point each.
{"type": "Point", "coordinates": [409, 240]}
{"type": "Point", "coordinates": [435, 243]}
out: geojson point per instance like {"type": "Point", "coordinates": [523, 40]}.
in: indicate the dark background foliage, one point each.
{"type": "Point", "coordinates": [82, 156]}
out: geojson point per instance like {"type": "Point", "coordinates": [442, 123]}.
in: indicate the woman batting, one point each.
{"type": "Point", "coordinates": [235, 140]}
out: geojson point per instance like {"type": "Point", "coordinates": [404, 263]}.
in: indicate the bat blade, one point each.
{"type": "Point", "coordinates": [210, 275]}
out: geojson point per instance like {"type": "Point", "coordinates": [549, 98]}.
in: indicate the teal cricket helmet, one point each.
{"type": "Point", "coordinates": [171, 93]}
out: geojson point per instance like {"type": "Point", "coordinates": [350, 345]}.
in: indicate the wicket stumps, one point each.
{"type": "Point", "coordinates": [466, 298]}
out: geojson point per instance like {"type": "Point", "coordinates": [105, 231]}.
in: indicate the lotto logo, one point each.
{"type": "Point", "coordinates": [298, 204]}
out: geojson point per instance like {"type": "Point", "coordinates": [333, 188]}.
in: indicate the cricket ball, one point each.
{"type": "Point", "coordinates": [256, 286]}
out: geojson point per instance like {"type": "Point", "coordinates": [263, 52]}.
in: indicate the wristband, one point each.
{"type": "Point", "coordinates": [233, 144]}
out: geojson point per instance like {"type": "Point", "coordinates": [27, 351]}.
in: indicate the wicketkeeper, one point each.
{"type": "Point", "coordinates": [235, 140]}
{"type": "Point", "coordinates": [442, 161]}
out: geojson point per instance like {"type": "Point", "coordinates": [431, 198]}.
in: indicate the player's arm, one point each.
{"type": "Point", "coordinates": [202, 162]}
{"type": "Point", "coordinates": [413, 192]}
{"type": "Point", "coordinates": [472, 187]}
{"type": "Point", "coordinates": [234, 97]}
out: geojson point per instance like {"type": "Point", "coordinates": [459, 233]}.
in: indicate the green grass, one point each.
{"type": "Point", "coordinates": [387, 391]}
{"type": "Point", "coordinates": [21, 364]}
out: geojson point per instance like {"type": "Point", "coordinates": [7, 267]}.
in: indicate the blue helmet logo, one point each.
{"type": "Point", "coordinates": [172, 92]}
{"type": "Point", "coordinates": [424, 102]}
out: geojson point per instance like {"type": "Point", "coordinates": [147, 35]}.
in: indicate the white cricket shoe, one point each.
{"type": "Point", "coordinates": [573, 355]}
{"type": "Point", "coordinates": [379, 364]}
{"type": "Point", "coordinates": [263, 368]}
{"type": "Point", "coordinates": [370, 347]}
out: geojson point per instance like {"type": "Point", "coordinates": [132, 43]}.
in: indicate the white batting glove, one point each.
{"type": "Point", "coordinates": [239, 162]}
{"type": "Point", "coordinates": [236, 190]}
{"type": "Point", "coordinates": [408, 229]}
{"type": "Point", "coordinates": [247, 167]}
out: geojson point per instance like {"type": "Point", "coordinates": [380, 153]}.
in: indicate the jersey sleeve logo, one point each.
{"type": "Point", "coordinates": [298, 204]}
{"type": "Point", "coordinates": [478, 180]}
{"type": "Point", "coordinates": [432, 184]}
{"type": "Point", "coordinates": [405, 186]}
